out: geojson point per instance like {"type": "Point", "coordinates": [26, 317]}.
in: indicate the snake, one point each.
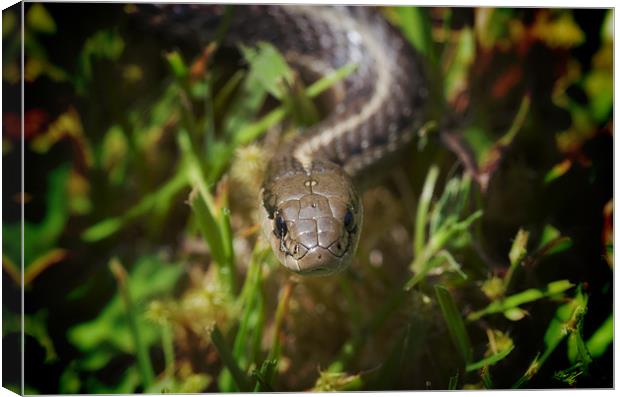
{"type": "Point", "coordinates": [310, 199]}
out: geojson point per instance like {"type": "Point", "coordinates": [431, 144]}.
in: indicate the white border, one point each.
{"type": "Point", "coordinates": [458, 3]}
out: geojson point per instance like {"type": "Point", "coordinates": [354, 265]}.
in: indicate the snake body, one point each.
{"type": "Point", "coordinates": [310, 199]}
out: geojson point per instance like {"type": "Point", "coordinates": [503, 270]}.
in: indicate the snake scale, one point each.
{"type": "Point", "coordinates": [310, 198]}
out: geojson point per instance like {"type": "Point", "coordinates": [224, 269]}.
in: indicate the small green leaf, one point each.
{"type": "Point", "coordinates": [558, 170]}
{"type": "Point", "coordinates": [177, 65]}
{"type": "Point", "coordinates": [267, 74]}
{"type": "Point", "coordinates": [515, 314]}
{"type": "Point", "coordinates": [41, 238]}
{"type": "Point", "coordinates": [104, 44]}
{"type": "Point", "coordinates": [39, 20]}
{"type": "Point", "coordinates": [268, 68]}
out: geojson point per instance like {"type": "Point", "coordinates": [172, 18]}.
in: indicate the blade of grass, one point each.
{"type": "Point", "coordinates": [491, 360]}
{"type": "Point", "coordinates": [267, 367]}
{"type": "Point", "coordinates": [110, 226]}
{"type": "Point", "coordinates": [241, 380]}
{"type": "Point", "coordinates": [602, 338]}
{"type": "Point", "coordinates": [455, 323]}
{"type": "Point", "coordinates": [513, 301]}
{"type": "Point", "coordinates": [225, 93]}
{"type": "Point", "coordinates": [454, 381]}
{"type": "Point", "coordinates": [204, 206]}
{"type": "Point", "coordinates": [414, 23]}
{"type": "Point", "coordinates": [227, 245]}
{"type": "Point", "coordinates": [142, 354]}
{"type": "Point", "coordinates": [423, 209]}
{"type": "Point", "coordinates": [250, 325]}
{"type": "Point", "coordinates": [330, 79]}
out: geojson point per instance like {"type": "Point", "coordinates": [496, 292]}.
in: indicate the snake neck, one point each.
{"type": "Point", "coordinates": [379, 105]}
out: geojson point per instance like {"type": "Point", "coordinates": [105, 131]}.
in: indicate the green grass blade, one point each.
{"type": "Point", "coordinates": [215, 230]}
{"type": "Point", "coordinates": [414, 23]}
{"type": "Point", "coordinates": [602, 338]}
{"type": "Point", "coordinates": [491, 360]}
{"type": "Point", "coordinates": [423, 211]}
{"type": "Point", "coordinates": [227, 246]}
{"type": "Point", "coordinates": [321, 85]}
{"type": "Point", "coordinates": [177, 65]}
{"type": "Point", "coordinates": [241, 380]}
{"type": "Point", "coordinates": [108, 227]}
{"type": "Point", "coordinates": [455, 323]}
{"type": "Point", "coordinates": [225, 93]}
{"type": "Point", "coordinates": [250, 325]}
{"type": "Point", "coordinates": [266, 368]}
{"type": "Point", "coordinates": [530, 295]}
{"type": "Point", "coordinates": [454, 381]}
{"type": "Point", "coordinates": [142, 354]}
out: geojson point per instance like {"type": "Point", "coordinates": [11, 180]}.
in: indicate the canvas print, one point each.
{"type": "Point", "coordinates": [203, 198]}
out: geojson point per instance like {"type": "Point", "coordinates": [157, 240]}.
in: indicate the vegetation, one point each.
{"type": "Point", "coordinates": [486, 258]}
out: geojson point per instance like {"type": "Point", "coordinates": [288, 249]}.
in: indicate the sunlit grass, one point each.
{"type": "Point", "coordinates": [215, 289]}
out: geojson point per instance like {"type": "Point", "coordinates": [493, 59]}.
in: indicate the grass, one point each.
{"type": "Point", "coordinates": [199, 302]}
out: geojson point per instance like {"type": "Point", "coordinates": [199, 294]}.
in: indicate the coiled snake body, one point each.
{"type": "Point", "coordinates": [312, 213]}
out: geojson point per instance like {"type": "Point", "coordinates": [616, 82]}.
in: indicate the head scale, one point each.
{"type": "Point", "coordinates": [312, 219]}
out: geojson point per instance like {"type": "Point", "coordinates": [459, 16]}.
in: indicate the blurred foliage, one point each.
{"type": "Point", "coordinates": [109, 331]}
{"type": "Point", "coordinates": [40, 239]}
{"type": "Point", "coordinates": [143, 268]}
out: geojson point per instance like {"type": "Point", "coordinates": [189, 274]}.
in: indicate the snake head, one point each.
{"type": "Point", "coordinates": [313, 220]}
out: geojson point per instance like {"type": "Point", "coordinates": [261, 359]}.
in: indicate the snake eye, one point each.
{"type": "Point", "coordinates": [348, 220]}
{"type": "Point", "coordinates": [280, 227]}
